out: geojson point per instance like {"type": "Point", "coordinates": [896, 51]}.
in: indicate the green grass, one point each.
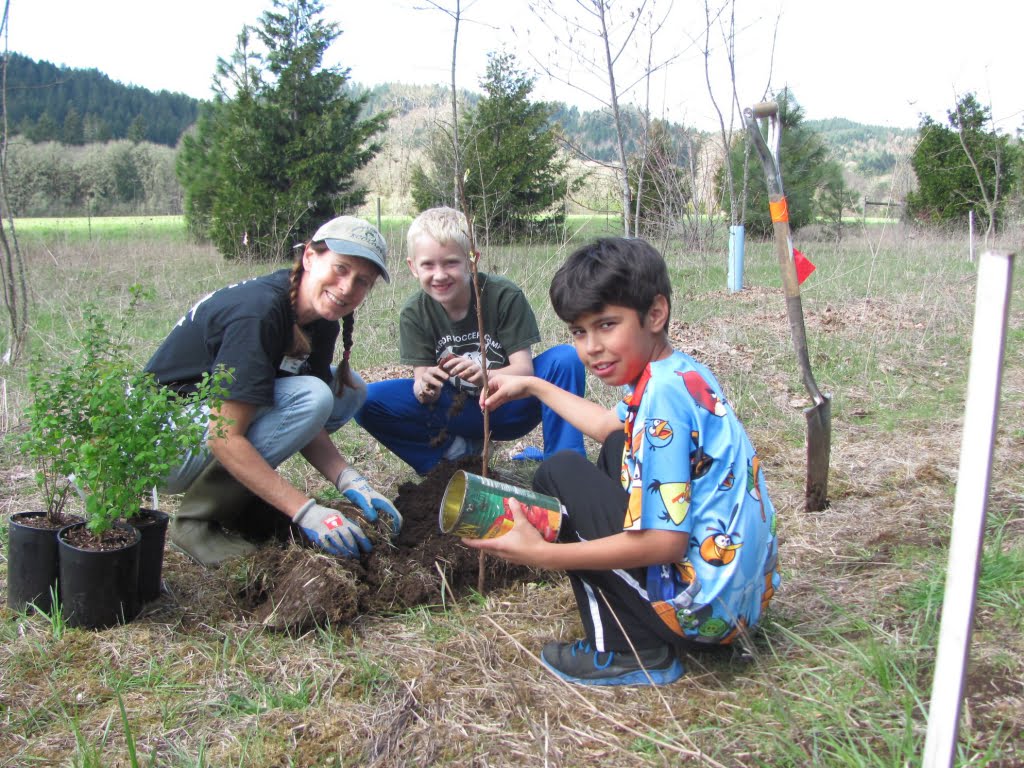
{"type": "Point", "coordinates": [862, 677]}
{"type": "Point", "coordinates": [1000, 592]}
{"type": "Point", "coordinates": [264, 697]}
{"type": "Point", "coordinates": [77, 231]}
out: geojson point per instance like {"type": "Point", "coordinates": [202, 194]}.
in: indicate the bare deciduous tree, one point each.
{"type": "Point", "coordinates": [474, 257]}
{"type": "Point", "coordinates": [990, 198]}
{"type": "Point", "coordinates": [456, 16]}
{"type": "Point", "coordinates": [598, 40]}
{"type": "Point", "coordinates": [645, 144]}
{"type": "Point", "coordinates": [15, 289]}
{"type": "Point", "coordinates": [688, 190]}
{"type": "Point", "coordinates": [724, 17]}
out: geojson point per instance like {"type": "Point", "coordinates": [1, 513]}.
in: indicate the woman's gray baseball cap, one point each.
{"type": "Point", "coordinates": [351, 236]}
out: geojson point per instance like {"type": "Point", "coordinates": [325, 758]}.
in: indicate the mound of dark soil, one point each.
{"type": "Point", "coordinates": [294, 588]}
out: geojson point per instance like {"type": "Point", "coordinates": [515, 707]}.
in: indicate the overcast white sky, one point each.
{"type": "Point", "coordinates": [881, 62]}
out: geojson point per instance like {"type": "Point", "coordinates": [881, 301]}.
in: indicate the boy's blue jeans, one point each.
{"type": "Point", "coordinates": [303, 405]}
{"type": "Point", "coordinates": [420, 434]}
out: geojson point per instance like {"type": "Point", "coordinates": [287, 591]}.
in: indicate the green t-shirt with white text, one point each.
{"type": "Point", "coordinates": [426, 333]}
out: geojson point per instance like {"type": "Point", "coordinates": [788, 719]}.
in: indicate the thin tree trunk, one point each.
{"type": "Point", "coordinates": [990, 204]}
{"type": "Point", "coordinates": [474, 255]}
{"type": "Point", "coordinates": [14, 283]}
{"type": "Point", "coordinates": [726, 133]}
{"type": "Point", "coordinates": [455, 105]}
{"type": "Point", "coordinates": [624, 174]}
{"type": "Point", "coordinates": [646, 139]}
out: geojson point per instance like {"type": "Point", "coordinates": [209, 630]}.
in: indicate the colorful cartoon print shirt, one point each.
{"type": "Point", "coordinates": [689, 466]}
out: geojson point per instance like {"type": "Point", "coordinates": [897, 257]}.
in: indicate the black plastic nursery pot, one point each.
{"type": "Point", "coordinates": [99, 587]}
{"type": "Point", "coordinates": [31, 563]}
{"type": "Point", "coordinates": [152, 524]}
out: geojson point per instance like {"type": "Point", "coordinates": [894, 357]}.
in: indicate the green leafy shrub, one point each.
{"type": "Point", "coordinates": [107, 427]}
{"type": "Point", "coordinates": [47, 416]}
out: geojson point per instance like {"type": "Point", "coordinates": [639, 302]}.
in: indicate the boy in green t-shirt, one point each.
{"type": "Point", "coordinates": [439, 337]}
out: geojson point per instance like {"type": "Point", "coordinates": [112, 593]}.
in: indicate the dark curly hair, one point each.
{"type": "Point", "coordinates": [627, 272]}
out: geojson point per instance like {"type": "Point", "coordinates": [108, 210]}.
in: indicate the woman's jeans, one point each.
{"type": "Point", "coordinates": [303, 405]}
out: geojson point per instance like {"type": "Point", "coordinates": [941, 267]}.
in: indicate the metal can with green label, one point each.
{"type": "Point", "coordinates": [476, 507]}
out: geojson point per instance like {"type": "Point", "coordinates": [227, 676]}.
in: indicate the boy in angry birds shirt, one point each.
{"type": "Point", "coordinates": [670, 539]}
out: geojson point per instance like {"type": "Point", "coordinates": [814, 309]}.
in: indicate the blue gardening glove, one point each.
{"type": "Point", "coordinates": [529, 453]}
{"type": "Point", "coordinates": [356, 489]}
{"type": "Point", "coordinates": [331, 531]}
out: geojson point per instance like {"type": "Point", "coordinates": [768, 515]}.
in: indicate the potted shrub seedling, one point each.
{"type": "Point", "coordinates": [119, 433]}
{"type": "Point", "coordinates": [32, 540]}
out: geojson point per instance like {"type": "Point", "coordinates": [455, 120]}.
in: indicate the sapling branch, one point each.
{"type": "Point", "coordinates": [474, 257]}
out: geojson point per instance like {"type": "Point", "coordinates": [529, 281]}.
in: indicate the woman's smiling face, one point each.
{"type": "Point", "coordinates": [333, 285]}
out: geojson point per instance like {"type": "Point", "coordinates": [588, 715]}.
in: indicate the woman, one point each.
{"type": "Point", "coordinates": [276, 335]}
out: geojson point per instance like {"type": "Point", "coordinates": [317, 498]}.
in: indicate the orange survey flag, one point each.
{"type": "Point", "coordinates": [803, 266]}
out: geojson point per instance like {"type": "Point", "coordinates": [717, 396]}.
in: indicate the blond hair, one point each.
{"type": "Point", "coordinates": [443, 225]}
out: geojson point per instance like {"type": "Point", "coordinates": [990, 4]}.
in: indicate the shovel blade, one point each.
{"type": "Point", "coordinates": [819, 447]}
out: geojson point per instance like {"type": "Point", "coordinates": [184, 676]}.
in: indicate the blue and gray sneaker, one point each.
{"type": "Point", "coordinates": [579, 663]}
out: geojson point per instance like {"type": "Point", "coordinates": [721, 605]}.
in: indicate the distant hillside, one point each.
{"type": "Point", "coordinates": [871, 150]}
{"type": "Point", "coordinates": [868, 150]}
{"type": "Point", "coordinates": [590, 131]}
{"type": "Point", "coordinates": [403, 98]}
{"type": "Point", "coordinates": [83, 106]}
{"type": "Point", "coordinates": [79, 106]}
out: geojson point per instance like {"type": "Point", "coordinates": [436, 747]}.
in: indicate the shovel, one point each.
{"type": "Point", "coordinates": [819, 415]}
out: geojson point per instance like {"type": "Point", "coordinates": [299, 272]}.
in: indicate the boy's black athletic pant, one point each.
{"type": "Point", "coordinates": [596, 504]}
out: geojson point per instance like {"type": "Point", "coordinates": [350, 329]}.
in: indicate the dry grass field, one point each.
{"type": "Point", "coordinates": [838, 675]}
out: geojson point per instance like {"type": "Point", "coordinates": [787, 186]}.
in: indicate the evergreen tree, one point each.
{"type": "Point", "coordinates": [513, 176]}
{"type": "Point", "coordinates": [96, 129]}
{"type": "Point", "coordinates": [45, 128]}
{"type": "Point", "coordinates": [35, 88]}
{"type": "Point", "coordinates": [73, 132]}
{"type": "Point", "coordinates": [275, 153]}
{"type": "Point", "coordinates": [833, 198]}
{"type": "Point", "coordinates": [137, 130]}
{"type": "Point", "coordinates": [433, 183]}
{"type": "Point", "coordinates": [1015, 199]}
{"type": "Point", "coordinates": [961, 167]}
{"type": "Point", "coordinates": [127, 187]}
{"type": "Point", "coordinates": [812, 181]}
{"type": "Point", "coordinates": [216, 152]}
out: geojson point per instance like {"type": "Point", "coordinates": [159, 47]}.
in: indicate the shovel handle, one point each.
{"type": "Point", "coordinates": [767, 148]}
{"type": "Point", "coordinates": [819, 416]}
{"type": "Point", "coordinates": [768, 151]}
{"type": "Point", "coordinates": [764, 109]}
